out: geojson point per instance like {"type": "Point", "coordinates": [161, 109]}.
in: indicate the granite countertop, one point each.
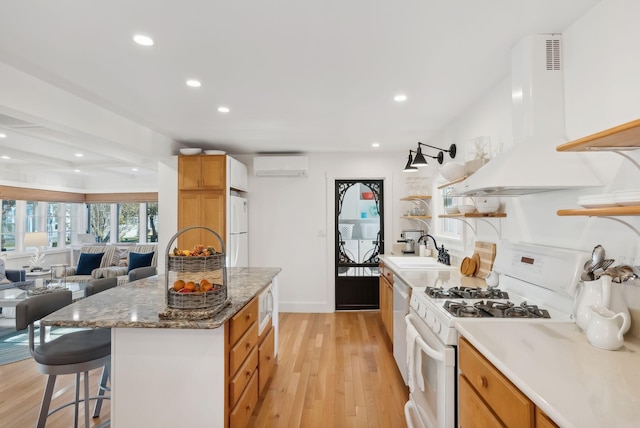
{"type": "Point", "coordinates": [137, 304]}
{"type": "Point", "coordinates": [574, 383]}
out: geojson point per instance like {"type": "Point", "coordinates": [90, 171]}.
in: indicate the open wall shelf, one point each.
{"type": "Point", "coordinates": [622, 137]}
{"type": "Point", "coordinates": [608, 211]}
{"type": "Point", "coordinates": [473, 215]}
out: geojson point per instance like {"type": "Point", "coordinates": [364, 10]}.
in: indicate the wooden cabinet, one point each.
{"type": "Point", "coordinates": [201, 209]}
{"type": "Point", "coordinates": [486, 398]}
{"type": "Point", "coordinates": [204, 172]}
{"type": "Point", "coordinates": [266, 357]}
{"type": "Point", "coordinates": [386, 299]}
{"type": "Point", "coordinates": [242, 354]}
{"type": "Point", "coordinates": [204, 184]}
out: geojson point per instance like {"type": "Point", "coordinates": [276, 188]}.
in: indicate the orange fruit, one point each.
{"type": "Point", "coordinates": [191, 286]}
{"type": "Point", "coordinates": [178, 285]}
{"type": "Point", "coordinates": [206, 287]}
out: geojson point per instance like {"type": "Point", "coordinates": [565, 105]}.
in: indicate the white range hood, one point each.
{"type": "Point", "coordinates": [532, 164]}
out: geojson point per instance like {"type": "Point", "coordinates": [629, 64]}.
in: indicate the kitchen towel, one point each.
{"type": "Point", "coordinates": [412, 337]}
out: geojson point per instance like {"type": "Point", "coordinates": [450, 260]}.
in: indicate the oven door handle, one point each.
{"type": "Point", "coordinates": [438, 356]}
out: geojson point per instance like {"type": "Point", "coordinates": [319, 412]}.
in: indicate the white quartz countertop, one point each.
{"type": "Point", "coordinates": [448, 276]}
{"type": "Point", "coordinates": [574, 383]}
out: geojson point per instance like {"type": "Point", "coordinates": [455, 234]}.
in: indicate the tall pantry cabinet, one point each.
{"type": "Point", "coordinates": [205, 183]}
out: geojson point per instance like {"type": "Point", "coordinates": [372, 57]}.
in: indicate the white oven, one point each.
{"type": "Point", "coordinates": [432, 377]}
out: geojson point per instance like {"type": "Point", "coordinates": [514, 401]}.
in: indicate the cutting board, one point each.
{"type": "Point", "coordinates": [487, 253]}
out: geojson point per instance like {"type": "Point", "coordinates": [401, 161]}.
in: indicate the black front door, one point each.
{"type": "Point", "coordinates": [359, 233]}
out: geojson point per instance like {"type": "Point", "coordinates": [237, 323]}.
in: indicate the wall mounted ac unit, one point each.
{"type": "Point", "coordinates": [281, 166]}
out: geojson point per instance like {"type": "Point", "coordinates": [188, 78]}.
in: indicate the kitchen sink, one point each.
{"type": "Point", "coordinates": [428, 263]}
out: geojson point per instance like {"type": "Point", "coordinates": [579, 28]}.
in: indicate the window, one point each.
{"type": "Point", "coordinates": [129, 222]}
{"type": "Point", "coordinates": [152, 222]}
{"type": "Point", "coordinates": [8, 233]}
{"type": "Point", "coordinates": [52, 223]}
{"type": "Point", "coordinates": [100, 221]}
{"type": "Point", "coordinates": [450, 228]}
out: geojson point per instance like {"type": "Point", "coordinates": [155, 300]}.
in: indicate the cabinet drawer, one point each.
{"type": "Point", "coordinates": [472, 412]}
{"type": "Point", "coordinates": [267, 360]}
{"type": "Point", "coordinates": [543, 421]}
{"type": "Point", "coordinates": [242, 349]}
{"type": "Point", "coordinates": [508, 403]}
{"type": "Point", "coordinates": [241, 321]}
{"type": "Point", "coordinates": [242, 378]}
{"type": "Point", "coordinates": [241, 414]}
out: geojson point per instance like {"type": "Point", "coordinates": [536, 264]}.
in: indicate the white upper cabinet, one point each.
{"type": "Point", "coordinates": [237, 177]}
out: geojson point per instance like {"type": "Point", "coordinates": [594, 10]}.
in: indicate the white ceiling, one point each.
{"type": "Point", "coordinates": [298, 75]}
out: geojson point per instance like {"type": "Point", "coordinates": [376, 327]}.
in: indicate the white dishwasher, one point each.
{"type": "Point", "coordinates": [401, 296]}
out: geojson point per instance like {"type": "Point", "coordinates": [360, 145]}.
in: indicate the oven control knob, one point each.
{"type": "Point", "coordinates": [437, 326]}
{"type": "Point", "coordinates": [430, 319]}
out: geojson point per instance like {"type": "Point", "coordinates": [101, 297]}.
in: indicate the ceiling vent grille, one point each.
{"type": "Point", "coordinates": [553, 55]}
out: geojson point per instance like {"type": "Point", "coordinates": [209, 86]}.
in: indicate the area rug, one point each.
{"type": "Point", "coordinates": [14, 345]}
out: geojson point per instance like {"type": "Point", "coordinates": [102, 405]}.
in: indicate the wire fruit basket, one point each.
{"type": "Point", "coordinates": [206, 273]}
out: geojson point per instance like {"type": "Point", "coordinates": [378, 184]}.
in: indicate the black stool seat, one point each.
{"type": "Point", "coordinates": [76, 347]}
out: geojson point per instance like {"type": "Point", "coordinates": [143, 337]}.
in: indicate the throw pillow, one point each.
{"type": "Point", "coordinates": [137, 260]}
{"type": "Point", "coordinates": [88, 262]}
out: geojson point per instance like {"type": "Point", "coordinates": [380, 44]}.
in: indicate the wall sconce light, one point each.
{"type": "Point", "coordinates": [408, 167]}
{"type": "Point", "coordinates": [419, 160]}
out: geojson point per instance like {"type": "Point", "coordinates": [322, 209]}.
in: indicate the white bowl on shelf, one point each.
{"type": "Point", "coordinates": [452, 209]}
{"type": "Point", "coordinates": [466, 208]}
{"type": "Point", "coordinates": [602, 200]}
{"type": "Point", "coordinates": [190, 151]}
{"type": "Point", "coordinates": [627, 197]}
{"type": "Point", "coordinates": [214, 152]}
{"type": "Point", "coordinates": [487, 205]}
{"type": "Point", "coordinates": [452, 171]}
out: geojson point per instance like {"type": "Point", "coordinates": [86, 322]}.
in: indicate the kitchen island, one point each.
{"type": "Point", "coordinates": [165, 372]}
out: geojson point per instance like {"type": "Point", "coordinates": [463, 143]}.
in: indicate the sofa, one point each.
{"type": "Point", "coordinates": [129, 258]}
{"type": "Point", "coordinates": [86, 271]}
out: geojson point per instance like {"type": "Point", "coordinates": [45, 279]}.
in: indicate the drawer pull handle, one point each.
{"type": "Point", "coordinates": [248, 373]}
{"type": "Point", "coordinates": [484, 382]}
{"type": "Point", "coordinates": [247, 317]}
{"type": "Point", "coordinates": [248, 345]}
{"type": "Point", "coordinates": [248, 408]}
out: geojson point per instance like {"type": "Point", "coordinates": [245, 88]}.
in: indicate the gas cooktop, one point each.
{"type": "Point", "coordinates": [466, 293]}
{"type": "Point", "coordinates": [494, 309]}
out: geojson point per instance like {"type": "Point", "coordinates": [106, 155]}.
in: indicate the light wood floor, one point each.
{"type": "Point", "coordinates": [334, 370]}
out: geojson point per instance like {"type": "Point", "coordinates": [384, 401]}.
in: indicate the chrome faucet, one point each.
{"type": "Point", "coordinates": [443, 255]}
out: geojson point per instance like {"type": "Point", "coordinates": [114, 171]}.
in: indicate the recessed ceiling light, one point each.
{"type": "Point", "coordinates": [79, 155]}
{"type": "Point", "coordinates": [3, 135]}
{"type": "Point", "coordinates": [194, 83]}
{"type": "Point", "coordinates": [223, 109]}
{"type": "Point", "coordinates": [134, 169]}
{"type": "Point", "coordinates": [143, 40]}
{"type": "Point", "coordinates": [400, 98]}
{"type": "Point", "coordinates": [5, 157]}
{"type": "Point", "coordinates": [375, 144]}
{"type": "Point", "coordinates": [76, 170]}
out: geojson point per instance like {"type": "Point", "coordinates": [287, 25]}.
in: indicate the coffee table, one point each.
{"type": "Point", "coordinates": [10, 297]}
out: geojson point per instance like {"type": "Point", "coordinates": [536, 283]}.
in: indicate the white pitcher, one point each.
{"type": "Point", "coordinates": [606, 328]}
{"type": "Point", "coordinates": [601, 292]}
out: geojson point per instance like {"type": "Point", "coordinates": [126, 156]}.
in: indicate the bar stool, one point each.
{"type": "Point", "coordinates": [142, 272]}
{"type": "Point", "coordinates": [99, 285]}
{"type": "Point", "coordinates": [94, 287]}
{"type": "Point", "coordinates": [72, 353]}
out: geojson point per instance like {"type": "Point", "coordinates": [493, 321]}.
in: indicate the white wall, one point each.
{"type": "Point", "coordinates": [602, 82]}
{"type": "Point", "coordinates": [291, 222]}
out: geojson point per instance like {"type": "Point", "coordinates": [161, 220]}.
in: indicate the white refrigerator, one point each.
{"type": "Point", "coordinates": [237, 244]}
